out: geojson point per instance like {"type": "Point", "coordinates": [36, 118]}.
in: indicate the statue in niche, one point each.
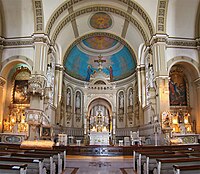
{"type": "Point", "coordinates": [49, 75]}
{"type": "Point", "coordinates": [131, 98]}
{"type": "Point", "coordinates": [121, 100]}
{"type": "Point", "coordinates": [68, 98]}
{"type": "Point", "coordinates": [78, 100]}
{"type": "Point", "coordinates": [151, 75]}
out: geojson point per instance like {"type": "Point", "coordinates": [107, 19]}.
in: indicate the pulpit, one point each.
{"type": "Point", "coordinates": [99, 138]}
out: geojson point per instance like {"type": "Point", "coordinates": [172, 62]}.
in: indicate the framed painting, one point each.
{"type": "Point", "coordinates": [19, 97]}
{"type": "Point", "coordinates": [46, 132]}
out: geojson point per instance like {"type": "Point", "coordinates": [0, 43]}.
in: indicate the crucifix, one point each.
{"type": "Point", "coordinates": [100, 61]}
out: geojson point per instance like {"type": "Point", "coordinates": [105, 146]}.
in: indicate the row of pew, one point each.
{"type": "Point", "coordinates": [17, 160]}
{"type": "Point", "coordinates": [179, 159]}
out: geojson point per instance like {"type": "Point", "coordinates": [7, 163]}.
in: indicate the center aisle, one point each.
{"type": "Point", "coordinates": [99, 165]}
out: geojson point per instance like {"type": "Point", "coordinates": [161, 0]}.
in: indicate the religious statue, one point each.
{"type": "Point", "coordinates": [131, 98]}
{"type": "Point", "coordinates": [49, 75]}
{"type": "Point", "coordinates": [121, 100]}
{"type": "Point", "coordinates": [151, 75]}
{"type": "Point", "coordinates": [68, 98]}
{"type": "Point", "coordinates": [78, 100]}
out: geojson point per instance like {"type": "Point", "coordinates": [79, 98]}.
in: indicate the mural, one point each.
{"type": "Point", "coordinates": [117, 64]}
{"type": "Point", "coordinates": [100, 42]}
{"type": "Point", "coordinates": [100, 20]}
{"type": "Point", "coordinates": [177, 88]}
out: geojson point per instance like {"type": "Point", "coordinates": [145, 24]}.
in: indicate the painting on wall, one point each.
{"type": "Point", "coordinates": [177, 89]}
{"type": "Point", "coordinates": [19, 97]}
{"type": "Point", "coordinates": [46, 132]}
{"type": "Point", "coordinates": [118, 62]}
{"type": "Point", "coordinates": [101, 20]}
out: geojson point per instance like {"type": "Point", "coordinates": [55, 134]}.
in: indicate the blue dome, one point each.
{"type": "Point", "coordinates": [112, 53]}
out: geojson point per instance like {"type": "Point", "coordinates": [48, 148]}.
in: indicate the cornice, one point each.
{"type": "Point", "coordinates": [20, 42]}
{"type": "Point", "coordinates": [175, 42]}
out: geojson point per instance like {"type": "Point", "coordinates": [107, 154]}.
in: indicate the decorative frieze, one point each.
{"type": "Point", "coordinates": [38, 14]}
{"type": "Point", "coordinates": [161, 16]}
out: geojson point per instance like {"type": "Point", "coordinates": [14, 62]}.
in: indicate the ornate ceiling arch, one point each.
{"type": "Point", "coordinates": [110, 35]}
{"type": "Point", "coordinates": [84, 52]}
{"type": "Point", "coordinates": [132, 5]}
{"type": "Point", "coordinates": [96, 8]}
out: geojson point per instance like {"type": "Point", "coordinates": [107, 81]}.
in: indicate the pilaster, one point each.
{"type": "Point", "coordinates": [2, 83]}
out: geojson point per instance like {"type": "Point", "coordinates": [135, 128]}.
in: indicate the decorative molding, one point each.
{"type": "Point", "coordinates": [38, 15]}
{"type": "Point", "coordinates": [103, 8]}
{"type": "Point", "coordinates": [130, 3]}
{"type": "Point", "coordinates": [161, 16]}
{"type": "Point", "coordinates": [173, 42]}
{"type": "Point", "coordinates": [2, 82]}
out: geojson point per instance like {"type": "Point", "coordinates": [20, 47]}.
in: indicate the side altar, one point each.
{"type": "Point", "coordinates": [99, 138]}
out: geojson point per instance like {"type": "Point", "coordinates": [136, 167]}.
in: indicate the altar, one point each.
{"type": "Point", "coordinates": [99, 138]}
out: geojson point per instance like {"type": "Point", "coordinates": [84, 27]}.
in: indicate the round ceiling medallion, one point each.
{"type": "Point", "coordinates": [101, 20]}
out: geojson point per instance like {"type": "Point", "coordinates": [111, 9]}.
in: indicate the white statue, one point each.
{"type": "Point", "coordinates": [68, 98]}
{"type": "Point", "coordinates": [49, 75]}
{"type": "Point", "coordinates": [151, 75]}
{"type": "Point", "coordinates": [121, 100]}
{"type": "Point", "coordinates": [78, 100]}
{"type": "Point", "coordinates": [131, 98]}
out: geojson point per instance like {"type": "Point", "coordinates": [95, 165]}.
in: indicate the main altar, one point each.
{"type": "Point", "coordinates": [99, 132]}
{"type": "Point", "coordinates": [99, 138]}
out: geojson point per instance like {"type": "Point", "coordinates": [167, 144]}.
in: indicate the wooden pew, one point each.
{"type": "Point", "coordinates": [34, 166]}
{"type": "Point", "coordinates": [48, 160]}
{"type": "Point", "coordinates": [58, 156]}
{"type": "Point", "coordinates": [151, 162]}
{"type": "Point", "coordinates": [142, 158]}
{"type": "Point", "coordinates": [13, 169]}
{"type": "Point", "coordinates": [165, 166]}
{"type": "Point", "coordinates": [192, 169]}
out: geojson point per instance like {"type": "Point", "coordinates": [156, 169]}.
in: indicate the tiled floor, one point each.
{"type": "Point", "coordinates": [99, 165]}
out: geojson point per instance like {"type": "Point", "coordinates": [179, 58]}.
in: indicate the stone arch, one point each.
{"type": "Point", "coordinates": [191, 73]}
{"type": "Point", "coordinates": [10, 62]}
{"type": "Point", "coordinates": [132, 5]}
{"type": "Point", "coordinates": [100, 34]}
{"type": "Point", "coordinates": [146, 34]}
{"type": "Point", "coordinates": [184, 60]}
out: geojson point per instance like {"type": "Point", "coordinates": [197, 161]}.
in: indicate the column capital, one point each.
{"type": "Point", "coordinates": [2, 81]}
{"type": "Point", "coordinates": [41, 38]}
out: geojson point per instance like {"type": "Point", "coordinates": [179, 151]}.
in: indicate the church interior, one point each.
{"type": "Point", "coordinates": [99, 74]}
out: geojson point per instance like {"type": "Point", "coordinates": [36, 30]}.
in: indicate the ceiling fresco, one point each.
{"type": "Point", "coordinates": [93, 51]}
{"type": "Point", "coordinates": [101, 20]}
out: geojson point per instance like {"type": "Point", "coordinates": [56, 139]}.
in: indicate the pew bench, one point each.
{"type": "Point", "coordinates": [34, 166]}
{"type": "Point", "coordinates": [13, 169]}
{"type": "Point", "coordinates": [192, 169]}
{"type": "Point", "coordinates": [49, 163]}
{"type": "Point", "coordinates": [165, 166]}
{"type": "Point", "coordinates": [151, 164]}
